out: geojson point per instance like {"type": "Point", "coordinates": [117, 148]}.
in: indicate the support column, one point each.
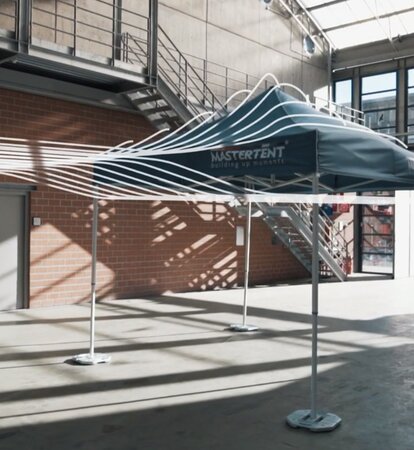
{"type": "Point", "coordinates": [401, 96]}
{"type": "Point", "coordinates": [117, 31]}
{"type": "Point", "coordinates": [244, 326]}
{"type": "Point", "coordinates": [153, 40]}
{"type": "Point", "coordinates": [92, 358]}
{"type": "Point", "coordinates": [311, 419]}
{"type": "Point", "coordinates": [24, 25]}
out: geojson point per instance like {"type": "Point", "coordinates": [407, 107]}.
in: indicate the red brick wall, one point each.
{"type": "Point", "coordinates": [144, 247]}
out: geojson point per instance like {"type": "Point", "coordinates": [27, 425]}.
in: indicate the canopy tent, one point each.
{"type": "Point", "coordinates": [274, 136]}
{"type": "Point", "coordinates": [272, 144]}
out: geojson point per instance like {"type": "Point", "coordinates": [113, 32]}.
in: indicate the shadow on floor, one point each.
{"type": "Point", "coordinates": [371, 390]}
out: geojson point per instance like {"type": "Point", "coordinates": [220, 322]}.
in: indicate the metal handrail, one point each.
{"type": "Point", "coordinates": [6, 15]}
{"type": "Point", "coordinates": [125, 38]}
{"type": "Point", "coordinates": [178, 73]}
{"type": "Point", "coordinates": [345, 112]}
{"type": "Point", "coordinates": [334, 242]}
{"type": "Point", "coordinates": [214, 102]}
{"type": "Point", "coordinates": [211, 83]}
{"type": "Point", "coordinates": [138, 22]}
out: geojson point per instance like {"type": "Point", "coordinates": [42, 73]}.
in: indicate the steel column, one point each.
{"type": "Point", "coordinates": [247, 239]}
{"type": "Point", "coordinates": [117, 31]}
{"type": "Point", "coordinates": [24, 25]}
{"type": "Point", "coordinates": [92, 358]}
{"type": "Point", "coordinates": [305, 418]}
{"type": "Point", "coordinates": [153, 39]}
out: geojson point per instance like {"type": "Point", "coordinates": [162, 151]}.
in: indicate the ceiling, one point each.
{"type": "Point", "coordinates": [348, 23]}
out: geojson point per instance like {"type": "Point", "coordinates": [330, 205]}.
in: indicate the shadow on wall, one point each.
{"type": "Point", "coordinates": [144, 248]}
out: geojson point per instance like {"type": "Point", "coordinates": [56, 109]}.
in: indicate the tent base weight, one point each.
{"type": "Point", "coordinates": [86, 359]}
{"type": "Point", "coordinates": [323, 421]}
{"type": "Point", "coordinates": [240, 327]}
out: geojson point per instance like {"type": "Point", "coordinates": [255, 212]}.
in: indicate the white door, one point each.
{"type": "Point", "coordinates": [11, 251]}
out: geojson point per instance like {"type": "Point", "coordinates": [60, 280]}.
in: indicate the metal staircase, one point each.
{"type": "Point", "coordinates": [293, 226]}
{"type": "Point", "coordinates": [178, 93]}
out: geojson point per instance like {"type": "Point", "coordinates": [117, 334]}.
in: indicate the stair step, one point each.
{"type": "Point", "coordinates": [166, 120]}
{"type": "Point", "coordinates": [144, 100]}
{"type": "Point", "coordinates": [156, 110]}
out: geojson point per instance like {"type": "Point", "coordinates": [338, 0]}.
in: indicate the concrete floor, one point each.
{"type": "Point", "coordinates": [180, 381]}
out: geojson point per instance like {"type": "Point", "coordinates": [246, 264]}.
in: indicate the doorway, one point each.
{"type": "Point", "coordinates": [12, 250]}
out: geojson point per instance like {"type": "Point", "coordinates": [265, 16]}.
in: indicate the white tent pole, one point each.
{"type": "Point", "coordinates": [315, 298]}
{"type": "Point", "coordinates": [95, 219]}
{"type": "Point", "coordinates": [247, 260]}
{"type": "Point", "coordinates": [92, 357]}
{"type": "Point", "coordinates": [311, 418]}
{"type": "Point", "coordinates": [247, 237]}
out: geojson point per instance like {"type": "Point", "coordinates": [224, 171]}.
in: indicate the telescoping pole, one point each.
{"type": "Point", "coordinates": [92, 358]}
{"type": "Point", "coordinates": [244, 326]}
{"type": "Point", "coordinates": [305, 418]}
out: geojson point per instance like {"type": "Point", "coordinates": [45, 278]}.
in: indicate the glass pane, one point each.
{"type": "Point", "coordinates": [357, 34]}
{"type": "Point", "coordinates": [411, 77]}
{"type": "Point", "coordinates": [390, 131]}
{"type": "Point", "coordinates": [377, 225]}
{"type": "Point", "coordinates": [310, 3]}
{"type": "Point", "coordinates": [410, 116]}
{"type": "Point", "coordinates": [377, 210]}
{"type": "Point", "coordinates": [410, 139]}
{"type": "Point", "coordinates": [377, 83]}
{"type": "Point", "coordinates": [343, 92]}
{"type": "Point", "coordinates": [410, 99]}
{"type": "Point", "coordinates": [377, 263]}
{"type": "Point", "coordinates": [380, 100]}
{"type": "Point", "coordinates": [380, 119]}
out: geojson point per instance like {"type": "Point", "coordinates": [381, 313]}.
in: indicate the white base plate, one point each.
{"type": "Point", "coordinates": [240, 327]}
{"type": "Point", "coordinates": [323, 421]}
{"type": "Point", "coordinates": [86, 359]}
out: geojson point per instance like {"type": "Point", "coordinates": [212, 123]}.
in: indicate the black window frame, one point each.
{"type": "Point", "coordinates": [408, 107]}
{"type": "Point", "coordinates": [340, 81]}
{"type": "Point", "coordinates": [396, 90]}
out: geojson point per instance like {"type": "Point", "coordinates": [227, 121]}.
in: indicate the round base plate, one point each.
{"type": "Point", "coordinates": [322, 422]}
{"type": "Point", "coordinates": [86, 359]}
{"type": "Point", "coordinates": [241, 327]}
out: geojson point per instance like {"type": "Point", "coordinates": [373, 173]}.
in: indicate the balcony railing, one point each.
{"type": "Point", "coordinates": [9, 11]}
{"type": "Point", "coordinates": [101, 30]}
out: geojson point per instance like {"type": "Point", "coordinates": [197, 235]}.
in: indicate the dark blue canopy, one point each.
{"type": "Point", "coordinates": [276, 137]}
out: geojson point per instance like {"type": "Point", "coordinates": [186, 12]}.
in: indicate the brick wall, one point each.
{"type": "Point", "coordinates": [144, 247]}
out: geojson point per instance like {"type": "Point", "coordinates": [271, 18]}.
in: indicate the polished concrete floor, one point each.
{"type": "Point", "coordinates": [180, 380]}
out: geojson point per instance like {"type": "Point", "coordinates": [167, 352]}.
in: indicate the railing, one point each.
{"type": "Point", "coordinates": [330, 236]}
{"type": "Point", "coordinates": [92, 27]}
{"type": "Point", "coordinates": [343, 111]}
{"type": "Point", "coordinates": [101, 29]}
{"type": "Point", "coordinates": [183, 76]}
{"type": "Point", "coordinates": [222, 80]}
{"type": "Point", "coordinates": [175, 70]}
{"type": "Point", "coordinates": [8, 19]}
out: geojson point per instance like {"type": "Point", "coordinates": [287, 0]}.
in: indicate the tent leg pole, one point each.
{"type": "Point", "coordinates": [305, 418]}
{"type": "Point", "coordinates": [244, 326]}
{"type": "Point", "coordinates": [95, 219]}
{"type": "Point", "coordinates": [92, 357]}
{"type": "Point", "coordinates": [315, 300]}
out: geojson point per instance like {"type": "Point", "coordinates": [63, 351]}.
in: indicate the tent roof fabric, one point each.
{"type": "Point", "coordinates": [271, 143]}
{"type": "Point", "coordinates": [278, 137]}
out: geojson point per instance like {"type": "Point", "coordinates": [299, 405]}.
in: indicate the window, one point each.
{"type": "Point", "coordinates": [343, 93]}
{"type": "Point", "coordinates": [410, 105]}
{"type": "Point", "coordinates": [377, 236]}
{"type": "Point", "coordinates": [379, 102]}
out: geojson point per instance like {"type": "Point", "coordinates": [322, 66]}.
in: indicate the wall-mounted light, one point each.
{"type": "Point", "coordinates": [267, 3]}
{"type": "Point", "coordinates": [36, 221]}
{"type": "Point", "coordinates": [309, 45]}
